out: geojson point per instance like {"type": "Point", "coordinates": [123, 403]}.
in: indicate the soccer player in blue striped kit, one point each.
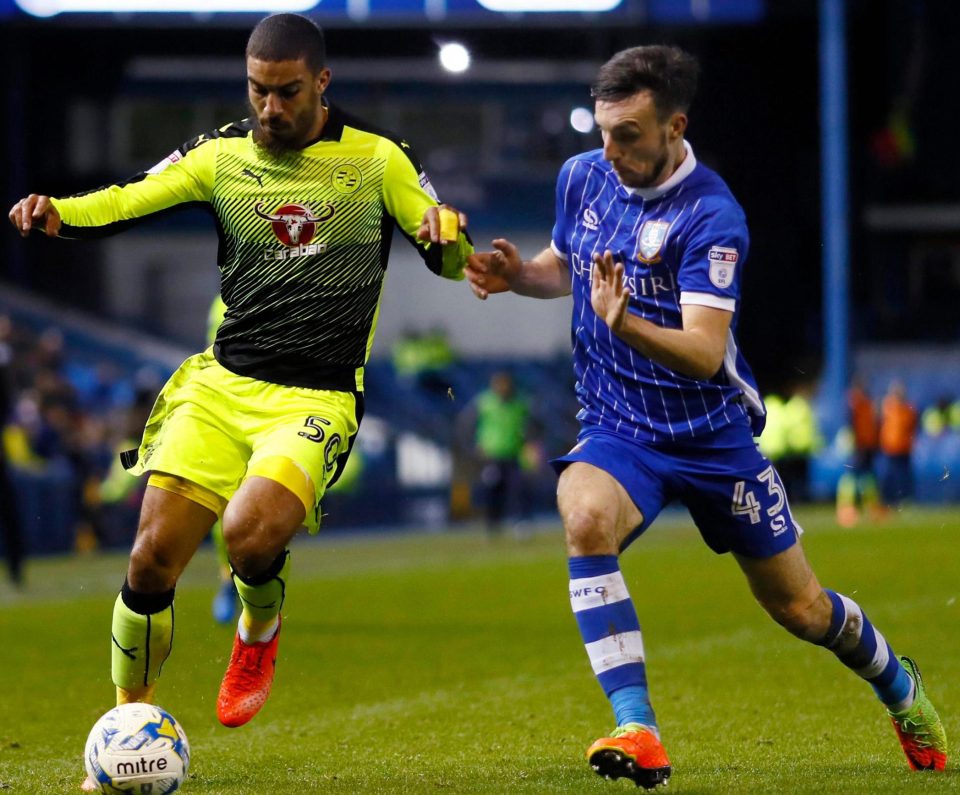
{"type": "Point", "coordinates": [651, 244]}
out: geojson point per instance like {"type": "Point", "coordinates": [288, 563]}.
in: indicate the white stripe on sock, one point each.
{"type": "Point", "coordinates": [615, 650]}
{"type": "Point", "coordinates": [879, 661]}
{"type": "Point", "coordinates": [853, 616]}
{"type": "Point", "coordinates": [606, 589]}
{"type": "Point", "coordinates": [901, 706]}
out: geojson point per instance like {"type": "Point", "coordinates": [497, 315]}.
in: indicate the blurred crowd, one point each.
{"type": "Point", "coordinates": [66, 417]}
{"type": "Point", "coordinates": [885, 446]}
{"type": "Point", "coordinates": [883, 440]}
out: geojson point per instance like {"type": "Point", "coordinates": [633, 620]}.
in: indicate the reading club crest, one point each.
{"type": "Point", "coordinates": [346, 178]}
{"type": "Point", "coordinates": [652, 235]}
{"type": "Point", "coordinates": [294, 224]}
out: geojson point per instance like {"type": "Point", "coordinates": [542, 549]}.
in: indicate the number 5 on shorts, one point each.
{"type": "Point", "coordinates": [315, 432]}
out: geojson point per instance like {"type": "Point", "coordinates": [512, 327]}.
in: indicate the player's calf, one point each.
{"type": "Point", "coordinates": [896, 681]}
{"type": "Point", "coordinates": [142, 636]}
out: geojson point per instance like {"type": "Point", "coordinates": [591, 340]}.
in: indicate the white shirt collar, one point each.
{"type": "Point", "coordinates": [686, 168]}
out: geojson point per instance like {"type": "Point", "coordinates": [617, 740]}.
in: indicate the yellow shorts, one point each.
{"type": "Point", "coordinates": [214, 428]}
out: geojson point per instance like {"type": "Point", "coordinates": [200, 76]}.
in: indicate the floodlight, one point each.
{"type": "Point", "coordinates": [454, 57]}
{"type": "Point", "coordinates": [581, 119]}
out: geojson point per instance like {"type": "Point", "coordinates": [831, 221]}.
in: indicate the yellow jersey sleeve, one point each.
{"type": "Point", "coordinates": [185, 176]}
{"type": "Point", "coordinates": [407, 194]}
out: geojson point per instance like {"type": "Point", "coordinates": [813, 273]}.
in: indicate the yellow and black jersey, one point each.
{"type": "Point", "coordinates": [304, 239]}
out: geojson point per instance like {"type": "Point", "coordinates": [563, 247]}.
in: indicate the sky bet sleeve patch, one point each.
{"type": "Point", "coordinates": [723, 265]}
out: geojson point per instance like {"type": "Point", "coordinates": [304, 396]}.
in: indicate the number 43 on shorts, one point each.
{"type": "Point", "coordinates": [745, 502]}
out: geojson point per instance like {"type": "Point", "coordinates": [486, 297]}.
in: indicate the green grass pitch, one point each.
{"type": "Point", "coordinates": [433, 663]}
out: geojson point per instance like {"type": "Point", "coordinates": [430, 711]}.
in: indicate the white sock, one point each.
{"type": "Point", "coordinates": [249, 637]}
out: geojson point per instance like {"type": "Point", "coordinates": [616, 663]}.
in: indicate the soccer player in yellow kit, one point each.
{"type": "Point", "coordinates": [256, 428]}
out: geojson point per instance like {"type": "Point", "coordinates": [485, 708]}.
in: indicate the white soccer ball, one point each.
{"type": "Point", "coordinates": [137, 748]}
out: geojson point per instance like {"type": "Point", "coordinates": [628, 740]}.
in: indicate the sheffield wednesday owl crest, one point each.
{"type": "Point", "coordinates": [652, 236]}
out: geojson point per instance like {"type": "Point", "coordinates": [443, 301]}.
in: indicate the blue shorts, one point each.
{"type": "Point", "coordinates": [731, 489]}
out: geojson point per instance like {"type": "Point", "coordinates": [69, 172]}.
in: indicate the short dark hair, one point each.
{"type": "Point", "coordinates": [288, 37]}
{"type": "Point", "coordinates": [669, 73]}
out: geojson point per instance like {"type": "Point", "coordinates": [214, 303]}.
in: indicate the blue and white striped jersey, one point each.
{"type": "Point", "coordinates": [682, 242]}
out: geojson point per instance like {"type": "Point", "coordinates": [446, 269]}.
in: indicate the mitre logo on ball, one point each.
{"type": "Point", "coordinates": [294, 224]}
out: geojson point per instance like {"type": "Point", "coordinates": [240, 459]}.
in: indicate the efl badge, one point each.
{"type": "Point", "coordinates": [652, 235]}
{"type": "Point", "coordinates": [428, 186]}
{"type": "Point", "coordinates": [723, 264]}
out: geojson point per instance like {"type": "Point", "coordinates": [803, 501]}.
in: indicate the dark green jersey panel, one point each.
{"type": "Point", "coordinates": [304, 239]}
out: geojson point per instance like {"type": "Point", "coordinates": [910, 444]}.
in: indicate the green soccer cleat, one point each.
{"type": "Point", "coordinates": [631, 751]}
{"type": "Point", "coordinates": [919, 728]}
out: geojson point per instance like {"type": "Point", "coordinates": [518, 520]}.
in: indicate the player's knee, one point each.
{"type": "Point", "coordinates": [249, 542]}
{"type": "Point", "coordinates": [244, 549]}
{"type": "Point", "coordinates": [248, 562]}
{"type": "Point", "coordinates": [801, 617]}
{"type": "Point", "coordinates": [588, 531]}
{"type": "Point", "coordinates": [151, 568]}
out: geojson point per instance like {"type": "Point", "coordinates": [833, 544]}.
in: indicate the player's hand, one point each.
{"type": "Point", "coordinates": [490, 272]}
{"type": "Point", "coordinates": [35, 211]}
{"type": "Point", "coordinates": [608, 296]}
{"type": "Point", "coordinates": [442, 224]}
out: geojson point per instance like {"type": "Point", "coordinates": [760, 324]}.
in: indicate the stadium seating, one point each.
{"type": "Point", "coordinates": [105, 366]}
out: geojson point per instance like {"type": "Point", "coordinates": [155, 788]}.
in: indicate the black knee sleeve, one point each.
{"type": "Point", "coordinates": [146, 603]}
{"type": "Point", "coordinates": [264, 577]}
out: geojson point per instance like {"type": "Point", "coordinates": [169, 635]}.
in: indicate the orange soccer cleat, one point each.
{"type": "Point", "coordinates": [248, 679]}
{"type": "Point", "coordinates": [632, 751]}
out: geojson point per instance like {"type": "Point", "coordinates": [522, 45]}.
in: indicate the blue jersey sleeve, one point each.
{"type": "Point", "coordinates": [561, 225]}
{"type": "Point", "coordinates": [715, 249]}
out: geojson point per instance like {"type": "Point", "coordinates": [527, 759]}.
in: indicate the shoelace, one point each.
{"type": "Point", "coordinates": [630, 728]}
{"type": "Point", "coordinates": [250, 659]}
{"type": "Point", "coordinates": [918, 731]}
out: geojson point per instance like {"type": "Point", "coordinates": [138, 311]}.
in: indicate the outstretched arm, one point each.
{"type": "Point", "coordinates": [35, 211]}
{"type": "Point", "coordinates": [502, 270]}
{"type": "Point", "coordinates": [185, 176]}
{"type": "Point", "coordinates": [696, 350]}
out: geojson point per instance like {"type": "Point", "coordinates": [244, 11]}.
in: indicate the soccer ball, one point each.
{"type": "Point", "coordinates": [137, 748]}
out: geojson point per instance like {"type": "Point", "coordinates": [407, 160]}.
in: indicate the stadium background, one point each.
{"type": "Point", "coordinates": [89, 98]}
{"type": "Point", "coordinates": [449, 661]}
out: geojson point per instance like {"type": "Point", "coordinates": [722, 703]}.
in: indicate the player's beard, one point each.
{"type": "Point", "coordinates": [636, 180]}
{"type": "Point", "coordinates": [659, 166]}
{"type": "Point", "coordinates": [288, 137]}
